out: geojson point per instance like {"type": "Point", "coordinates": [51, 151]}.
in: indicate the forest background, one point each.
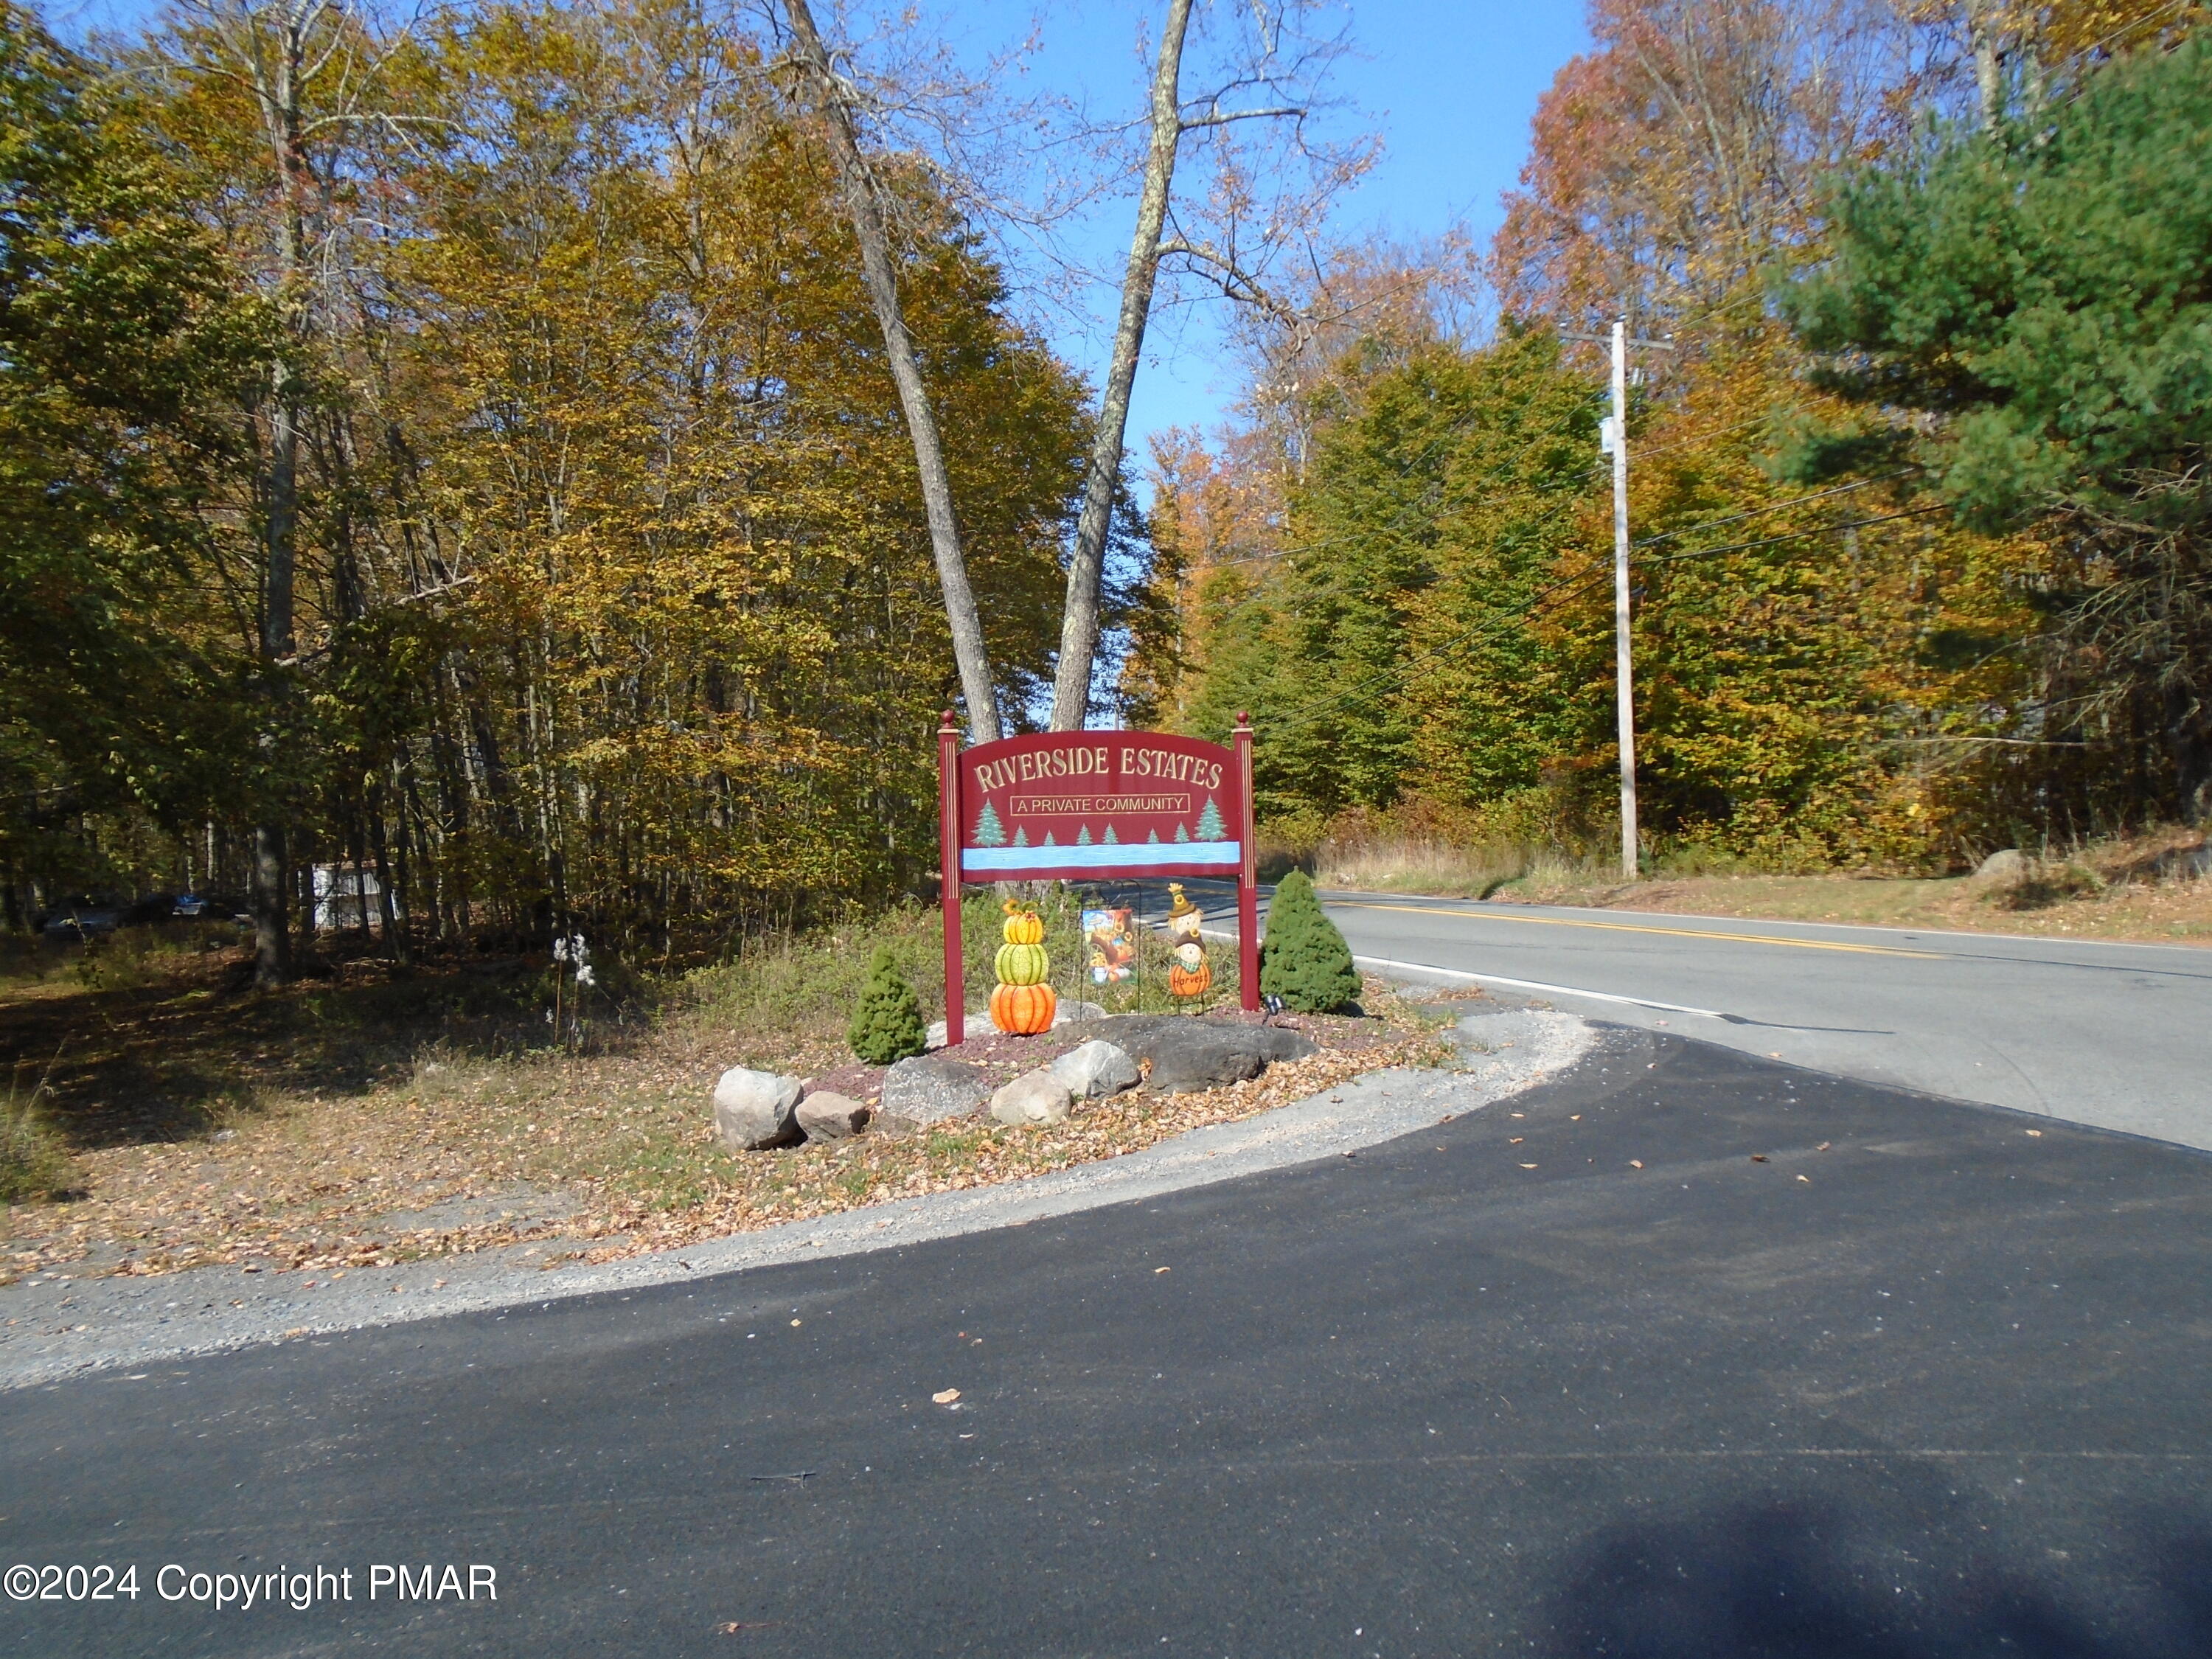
{"type": "Point", "coordinates": [537, 334]}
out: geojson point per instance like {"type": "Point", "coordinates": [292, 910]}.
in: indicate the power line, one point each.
{"type": "Point", "coordinates": [1796, 535]}
{"type": "Point", "coordinates": [1775, 506]}
{"type": "Point", "coordinates": [1553, 430]}
{"type": "Point", "coordinates": [1567, 587]}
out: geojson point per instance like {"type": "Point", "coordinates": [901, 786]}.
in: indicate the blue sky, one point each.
{"type": "Point", "coordinates": [1451, 86]}
{"type": "Point", "coordinates": [1448, 84]}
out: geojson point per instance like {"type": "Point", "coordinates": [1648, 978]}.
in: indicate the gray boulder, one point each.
{"type": "Point", "coordinates": [1097, 1070]}
{"type": "Point", "coordinates": [755, 1110]}
{"type": "Point", "coordinates": [2005, 869]}
{"type": "Point", "coordinates": [1187, 1054]}
{"type": "Point", "coordinates": [1037, 1097]}
{"type": "Point", "coordinates": [979, 1024]}
{"type": "Point", "coordinates": [979, 1021]}
{"type": "Point", "coordinates": [930, 1088]}
{"type": "Point", "coordinates": [828, 1116]}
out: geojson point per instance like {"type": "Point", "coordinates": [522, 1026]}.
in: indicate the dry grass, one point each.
{"type": "Point", "coordinates": [2136, 888]}
{"type": "Point", "coordinates": [2177, 913]}
{"type": "Point", "coordinates": [34, 1161]}
{"type": "Point", "coordinates": [1441, 868]}
{"type": "Point", "coordinates": [367, 1120]}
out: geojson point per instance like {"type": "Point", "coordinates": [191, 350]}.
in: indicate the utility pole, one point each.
{"type": "Point", "coordinates": [1623, 668]}
{"type": "Point", "coordinates": [1614, 441]}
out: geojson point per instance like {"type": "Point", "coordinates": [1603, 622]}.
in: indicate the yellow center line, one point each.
{"type": "Point", "coordinates": [1641, 927]}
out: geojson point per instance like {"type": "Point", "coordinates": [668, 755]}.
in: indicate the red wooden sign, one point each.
{"type": "Point", "coordinates": [1094, 804]}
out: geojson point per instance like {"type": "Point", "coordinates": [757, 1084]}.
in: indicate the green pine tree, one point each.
{"type": "Point", "coordinates": [2043, 292]}
{"type": "Point", "coordinates": [1302, 958]}
{"type": "Point", "coordinates": [1210, 826]}
{"type": "Point", "coordinates": [1082, 836]}
{"type": "Point", "coordinates": [887, 1025]}
{"type": "Point", "coordinates": [1181, 834]}
{"type": "Point", "coordinates": [989, 832]}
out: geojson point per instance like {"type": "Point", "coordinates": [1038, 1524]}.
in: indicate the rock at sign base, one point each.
{"type": "Point", "coordinates": [979, 1024]}
{"type": "Point", "coordinates": [1190, 1053]}
{"type": "Point", "coordinates": [755, 1110]}
{"type": "Point", "coordinates": [979, 1021]}
{"type": "Point", "coordinates": [1037, 1097]}
{"type": "Point", "coordinates": [828, 1116]}
{"type": "Point", "coordinates": [931, 1088]}
{"type": "Point", "coordinates": [1095, 1070]}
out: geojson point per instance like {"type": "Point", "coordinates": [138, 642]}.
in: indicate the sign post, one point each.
{"type": "Point", "coordinates": [1248, 876]}
{"type": "Point", "coordinates": [1092, 805]}
{"type": "Point", "coordinates": [948, 842]}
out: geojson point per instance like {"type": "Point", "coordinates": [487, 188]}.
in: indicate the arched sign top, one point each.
{"type": "Point", "coordinates": [1099, 804]}
{"type": "Point", "coordinates": [1084, 806]}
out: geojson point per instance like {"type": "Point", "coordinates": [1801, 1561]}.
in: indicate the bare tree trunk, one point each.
{"type": "Point", "coordinates": [276, 83]}
{"type": "Point", "coordinates": [1982, 37]}
{"type": "Point", "coordinates": [272, 885]}
{"type": "Point", "coordinates": [1078, 627]}
{"type": "Point", "coordinates": [968, 651]}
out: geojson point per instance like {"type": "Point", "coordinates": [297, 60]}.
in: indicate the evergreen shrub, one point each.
{"type": "Point", "coordinates": [1302, 958]}
{"type": "Point", "coordinates": [887, 1024]}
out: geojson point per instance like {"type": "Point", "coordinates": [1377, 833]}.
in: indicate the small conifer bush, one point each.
{"type": "Point", "coordinates": [1303, 959]}
{"type": "Point", "coordinates": [887, 1025]}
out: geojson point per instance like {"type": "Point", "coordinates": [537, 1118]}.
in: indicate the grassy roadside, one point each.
{"type": "Point", "coordinates": [2176, 913]}
{"type": "Point", "coordinates": [366, 1118]}
{"type": "Point", "coordinates": [2124, 889]}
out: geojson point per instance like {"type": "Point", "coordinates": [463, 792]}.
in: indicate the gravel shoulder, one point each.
{"type": "Point", "coordinates": [54, 1329]}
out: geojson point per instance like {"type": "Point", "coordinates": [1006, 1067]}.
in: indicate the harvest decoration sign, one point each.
{"type": "Point", "coordinates": [1092, 805]}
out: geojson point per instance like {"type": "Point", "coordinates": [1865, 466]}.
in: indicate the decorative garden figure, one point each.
{"type": "Point", "coordinates": [1189, 975]}
{"type": "Point", "coordinates": [1022, 1002]}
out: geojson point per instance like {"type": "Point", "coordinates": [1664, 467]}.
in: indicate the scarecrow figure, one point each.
{"type": "Point", "coordinates": [1189, 975]}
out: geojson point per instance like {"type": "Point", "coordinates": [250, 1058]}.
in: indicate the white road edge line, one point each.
{"type": "Point", "coordinates": [1479, 907]}
{"type": "Point", "coordinates": [1538, 985]}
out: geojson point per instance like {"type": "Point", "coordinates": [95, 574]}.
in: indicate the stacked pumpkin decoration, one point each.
{"type": "Point", "coordinates": [1021, 1001]}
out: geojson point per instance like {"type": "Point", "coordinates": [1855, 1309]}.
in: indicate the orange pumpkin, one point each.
{"type": "Point", "coordinates": [1190, 981]}
{"type": "Point", "coordinates": [1023, 1008]}
{"type": "Point", "coordinates": [1023, 926]}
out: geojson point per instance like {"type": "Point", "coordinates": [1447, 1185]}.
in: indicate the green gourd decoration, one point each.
{"type": "Point", "coordinates": [1022, 1002]}
{"type": "Point", "coordinates": [1023, 965]}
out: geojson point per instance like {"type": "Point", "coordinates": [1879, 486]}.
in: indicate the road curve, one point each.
{"type": "Point", "coordinates": [2116, 1036]}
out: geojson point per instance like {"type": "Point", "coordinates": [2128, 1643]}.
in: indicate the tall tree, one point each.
{"type": "Point", "coordinates": [303, 73]}
{"type": "Point", "coordinates": [124, 356]}
{"type": "Point", "coordinates": [1265, 71]}
{"type": "Point", "coordinates": [2040, 299]}
{"type": "Point", "coordinates": [840, 109]}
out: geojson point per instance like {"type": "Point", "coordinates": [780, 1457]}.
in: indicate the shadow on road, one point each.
{"type": "Point", "coordinates": [1787, 1575]}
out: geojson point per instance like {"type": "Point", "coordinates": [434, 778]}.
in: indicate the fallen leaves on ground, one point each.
{"type": "Point", "coordinates": [590, 1158]}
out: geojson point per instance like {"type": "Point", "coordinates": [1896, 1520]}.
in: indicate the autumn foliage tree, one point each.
{"type": "Point", "coordinates": [1831, 669]}
{"type": "Point", "coordinates": [613, 602]}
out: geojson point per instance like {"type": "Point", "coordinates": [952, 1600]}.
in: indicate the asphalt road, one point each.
{"type": "Point", "coordinates": [1838, 1370]}
{"type": "Point", "coordinates": [2119, 1036]}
